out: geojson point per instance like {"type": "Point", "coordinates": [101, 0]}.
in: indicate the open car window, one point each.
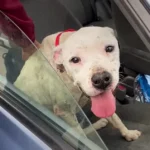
{"type": "Point", "coordinates": [70, 126]}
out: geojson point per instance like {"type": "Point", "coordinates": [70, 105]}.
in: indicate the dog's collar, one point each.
{"type": "Point", "coordinates": [57, 41]}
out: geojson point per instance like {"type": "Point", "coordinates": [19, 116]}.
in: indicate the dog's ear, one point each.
{"type": "Point", "coordinates": [57, 57]}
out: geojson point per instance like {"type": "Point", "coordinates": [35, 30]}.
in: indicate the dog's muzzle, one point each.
{"type": "Point", "coordinates": [102, 80]}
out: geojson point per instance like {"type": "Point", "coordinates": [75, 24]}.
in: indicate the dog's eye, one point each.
{"type": "Point", "coordinates": [109, 48]}
{"type": "Point", "coordinates": [75, 59]}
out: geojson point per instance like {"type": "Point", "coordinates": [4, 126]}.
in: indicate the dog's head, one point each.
{"type": "Point", "coordinates": [91, 57]}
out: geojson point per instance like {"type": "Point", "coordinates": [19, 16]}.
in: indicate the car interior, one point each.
{"type": "Point", "coordinates": [25, 123]}
{"type": "Point", "coordinates": [132, 32]}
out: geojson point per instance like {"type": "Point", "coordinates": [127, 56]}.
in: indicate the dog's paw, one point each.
{"type": "Point", "coordinates": [132, 135]}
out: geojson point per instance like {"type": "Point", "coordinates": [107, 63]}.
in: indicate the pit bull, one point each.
{"type": "Point", "coordinates": [87, 61]}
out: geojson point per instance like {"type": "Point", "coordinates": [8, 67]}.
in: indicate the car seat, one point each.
{"type": "Point", "coordinates": [90, 12]}
{"type": "Point", "coordinates": [131, 45]}
{"type": "Point", "coordinates": [51, 16]}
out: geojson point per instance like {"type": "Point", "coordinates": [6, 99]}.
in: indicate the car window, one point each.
{"type": "Point", "coordinates": [51, 96]}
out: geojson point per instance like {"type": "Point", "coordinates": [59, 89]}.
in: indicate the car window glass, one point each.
{"type": "Point", "coordinates": [51, 96]}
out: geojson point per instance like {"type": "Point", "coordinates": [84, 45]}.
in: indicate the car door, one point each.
{"type": "Point", "coordinates": [33, 118]}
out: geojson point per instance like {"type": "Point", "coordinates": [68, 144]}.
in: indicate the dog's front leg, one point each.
{"type": "Point", "coordinates": [69, 118]}
{"type": "Point", "coordinates": [96, 126]}
{"type": "Point", "coordinates": [129, 135]}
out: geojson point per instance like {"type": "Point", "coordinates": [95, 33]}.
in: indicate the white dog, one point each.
{"type": "Point", "coordinates": [89, 58]}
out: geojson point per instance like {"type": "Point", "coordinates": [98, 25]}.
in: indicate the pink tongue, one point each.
{"type": "Point", "coordinates": [103, 105]}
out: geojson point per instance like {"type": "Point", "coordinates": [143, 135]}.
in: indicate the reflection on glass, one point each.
{"type": "Point", "coordinates": [40, 85]}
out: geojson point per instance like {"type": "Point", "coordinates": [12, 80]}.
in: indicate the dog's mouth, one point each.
{"type": "Point", "coordinates": [103, 105]}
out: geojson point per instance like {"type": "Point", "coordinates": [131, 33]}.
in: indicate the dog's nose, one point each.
{"type": "Point", "coordinates": [101, 80]}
